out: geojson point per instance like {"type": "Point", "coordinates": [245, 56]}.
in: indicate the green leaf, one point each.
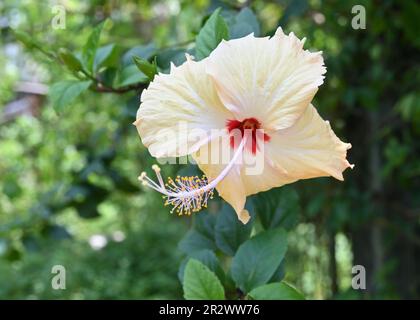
{"type": "Point", "coordinates": [409, 107]}
{"type": "Point", "coordinates": [104, 56]}
{"type": "Point", "coordinates": [70, 60]}
{"type": "Point", "coordinates": [213, 32]}
{"type": "Point", "coordinates": [243, 24]}
{"type": "Point", "coordinates": [65, 92]}
{"type": "Point", "coordinates": [165, 57]}
{"type": "Point", "coordinates": [130, 75]}
{"type": "Point", "coordinates": [200, 283]}
{"type": "Point", "coordinates": [109, 76]}
{"type": "Point", "coordinates": [195, 241]}
{"type": "Point", "coordinates": [279, 273]}
{"type": "Point", "coordinates": [25, 38]}
{"type": "Point", "coordinates": [230, 233]}
{"type": "Point", "coordinates": [149, 69]}
{"type": "Point", "coordinates": [410, 15]}
{"type": "Point", "coordinates": [294, 9]}
{"type": "Point", "coordinates": [278, 207]}
{"type": "Point", "coordinates": [205, 223]}
{"type": "Point", "coordinates": [29, 41]}
{"type": "Point", "coordinates": [142, 51]}
{"type": "Point", "coordinates": [91, 46]}
{"type": "Point", "coordinates": [258, 258]}
{"type": "Point", "coordinates": [276, 291]}
{"type": "Point", "coordinates": [206, 257]}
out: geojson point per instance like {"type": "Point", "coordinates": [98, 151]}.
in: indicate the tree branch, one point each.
{"type": "Point", "coordinates": [134, 87]}
{"type": "Point", "coordinates": [101, 87]}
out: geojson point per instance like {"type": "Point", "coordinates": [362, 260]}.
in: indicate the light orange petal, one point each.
{"type": "Point", "coordinates": [212, 159]}
{"type": "Point", "coordinates": [309, 149]}
{"type": "Point", "coordinates": [252, 173]}
{"type": "Point", "coordinates": [270, 79]}
{"type": "Point", "coordinates": [259, 173]}
{"type": "Point", "coordinates": [178, 111]}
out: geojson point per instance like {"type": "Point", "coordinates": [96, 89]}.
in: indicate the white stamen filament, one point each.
{"type": "Point", "coordinates": [189, 194]}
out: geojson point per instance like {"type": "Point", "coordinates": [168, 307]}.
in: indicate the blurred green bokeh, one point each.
{"type": "Point", "coordinates": [69, 193]}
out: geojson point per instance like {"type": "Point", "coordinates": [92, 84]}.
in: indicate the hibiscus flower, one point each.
{"type": "Point", "coordinates": [259, 89]}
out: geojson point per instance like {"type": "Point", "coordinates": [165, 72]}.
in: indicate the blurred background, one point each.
{"type": "Point", "coordinates": [68, 180]}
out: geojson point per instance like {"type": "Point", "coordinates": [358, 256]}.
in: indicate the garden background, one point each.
{"type": "Point", "coordinates": [70, 156]}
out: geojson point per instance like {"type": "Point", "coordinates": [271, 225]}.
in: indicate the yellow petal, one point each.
{"type": "Point", "coordinates": [309, 149]}
{"type": "Point", "coordinates": [270, 79]}
{"type": "Point", "coordinates": [178, 110]}
{"type": "Point", "coordinates": [252, 173]}
{"type": "Point", "coordinates": [259, 173]}
{"type": "Point", "coordinates": [244, 216]}
{"type": "Point", "coordinates": [212, 158]}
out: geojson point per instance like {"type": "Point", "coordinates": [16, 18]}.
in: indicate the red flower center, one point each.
{"type": "Point", "coordinates": [248, 126]}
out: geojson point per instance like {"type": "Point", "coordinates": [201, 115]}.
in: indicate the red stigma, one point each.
{"type": "Point", "coordinates": [246, 124]}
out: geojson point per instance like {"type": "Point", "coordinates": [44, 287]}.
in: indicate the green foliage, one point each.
{"type": "Point", "coordinates": [195, 241]}
{"type": "Point", "coordinates": [243, 24]}
{"type": "Point", "coordinates": [105, 56]}
{"type": "Point", "coordinates": [91, 47]}
{"type": "Point", "coordinates": [278, 208]}
{"type": "Point", "coordinates": [257, 259]}
{"type": "Point", "coordinates": [205, 224]}
{"type": "Point", "coordinates": [206, 257]}
{"type": "Point", "coordinates": [70, 60]}
{"type": "Point", "coordinates": [31, 42]}
{"type": "Point", "coordinates": [149, 69]}
{"type": "Point", "coordinates": [69, 175]}
{"type": "Point", "coordinates": [168, 56]}
{"type": "Point", "coordinates": [276, 291]}
{"type": "Point", "coordinates": [144, 52]}
{"type": "Point", "coordinates": [214, 30]}
{"type": "Point", "coordinates": [65, 92]}
{"type": "Point", "coordinates": [125, 269]}
{"type": "Point", "coordinates": [25, 39]}
{"type": "Point", "coordinates": [230, 233]}
{"type": "Point", "coordinates": [200, 283]}
{"type": "Point", "coordinates": [409, 107]}
{"type": "Point", "coordinates": [130, 75]}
